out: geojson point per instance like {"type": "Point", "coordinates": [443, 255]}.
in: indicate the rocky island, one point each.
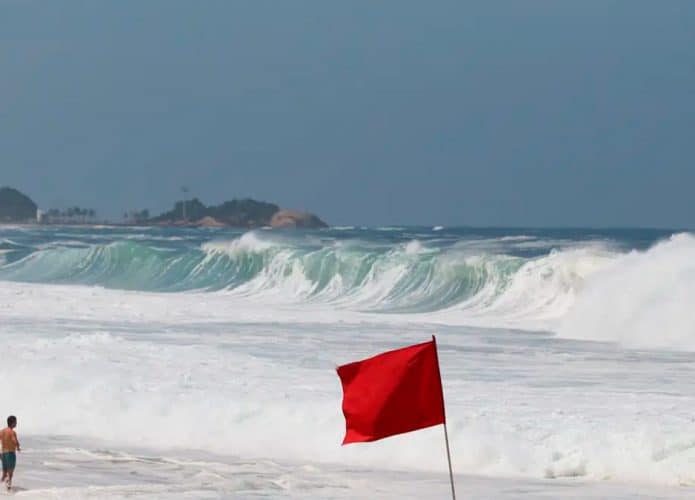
{"type": "Point", "coordinates": [245, 213]}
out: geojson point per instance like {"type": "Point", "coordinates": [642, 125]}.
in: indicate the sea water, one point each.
{"type": "Point", "coordinates": [200, 363]}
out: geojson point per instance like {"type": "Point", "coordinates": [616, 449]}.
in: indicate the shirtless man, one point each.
{"type": "Point", "coordinates": [10, 447]}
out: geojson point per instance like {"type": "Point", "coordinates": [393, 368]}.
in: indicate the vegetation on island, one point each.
{"type": "Point", "coordinates": [69, 215]}
{"type": "Point", "coordinates": [237, 213]}
{"type": "Point", "coordinates": [137, 216]}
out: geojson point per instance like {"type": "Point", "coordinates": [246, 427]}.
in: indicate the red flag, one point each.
{"type": "Point", "coordinates": [392, 393]}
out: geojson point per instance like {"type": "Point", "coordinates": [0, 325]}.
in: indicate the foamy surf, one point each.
{"type": "Point", "coordinates": [643, 299]}
{"type": "Point", "coordinates": [61, 468]}
{"type": "Point", "coordinates": [519, 404]}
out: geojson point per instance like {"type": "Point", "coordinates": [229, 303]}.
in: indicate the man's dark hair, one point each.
{"type": "Point", "coordinates": [11, 420]}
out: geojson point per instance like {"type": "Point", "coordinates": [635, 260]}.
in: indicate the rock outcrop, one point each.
{"type": "Point", "coordinates": [294, 219]}
{"type": "Point", "coordinates": [208, 221]}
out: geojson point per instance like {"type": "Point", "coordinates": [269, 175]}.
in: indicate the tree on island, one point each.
{"type": "Point", "coordinates": [194, 210]}
{"type": "Point", "coordinates": [238, 213]}
{"type": "Point", "coordinates": [137, 216]}
{"type": "Point", "coordinates": [71, 215]}
{"type": "Point", "coordinates": [246, 212]}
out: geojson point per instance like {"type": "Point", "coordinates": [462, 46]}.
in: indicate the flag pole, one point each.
{"type": "Point", "coordinates": [448, 456]}
{"type": "Point", "coordinates": [446, 432]}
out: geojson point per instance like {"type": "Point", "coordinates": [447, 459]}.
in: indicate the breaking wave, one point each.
{"type": "Point", "coordinates": [406, 277]}
{"type": "Point", "coordinates": [642, 300]}
{"type": "Point", "coordinates": [589, 290]}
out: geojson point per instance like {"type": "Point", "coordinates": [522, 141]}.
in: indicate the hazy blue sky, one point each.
{"type": "Point", "coordinates": [368, 112]}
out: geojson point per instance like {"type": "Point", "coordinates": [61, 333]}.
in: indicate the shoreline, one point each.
{"type": "Point", "coordinates": [60, 466]}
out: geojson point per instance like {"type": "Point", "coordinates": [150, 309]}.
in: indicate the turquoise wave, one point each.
{"type": "Point", "coordinates": [400, 278]}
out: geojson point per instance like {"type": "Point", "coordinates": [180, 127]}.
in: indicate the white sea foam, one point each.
{"type": "Point", "coordinates": [520, 237]}
{"type": "Point", "coordinates": [541, 289]}
{"type": "Point", "coordinates": [413, 247]}
{"type": "Point", "coordinates": [643, 299]}
{"type": "Point", "coordinates": [254, 382]}
{"type": "Point", "coordinates": [248, 242]}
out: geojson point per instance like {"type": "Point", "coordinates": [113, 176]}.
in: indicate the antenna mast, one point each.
{"type": "Point", "coordinates": [184, 190]}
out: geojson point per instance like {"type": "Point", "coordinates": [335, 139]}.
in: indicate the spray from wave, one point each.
{"type": "Point", "coordinates": [643, 299]}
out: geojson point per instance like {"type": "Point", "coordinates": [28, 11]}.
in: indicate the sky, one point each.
{"type": "Point", "coordinates": [488, 113]}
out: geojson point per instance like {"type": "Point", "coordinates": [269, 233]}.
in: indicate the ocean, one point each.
{"type": "Point", "coordinates": [200, 363]}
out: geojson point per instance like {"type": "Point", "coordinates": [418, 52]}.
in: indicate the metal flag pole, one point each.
{"type": "Point", "coordinates": [446, 432]}
{"type": "Point", "coordinates": [448, 456]}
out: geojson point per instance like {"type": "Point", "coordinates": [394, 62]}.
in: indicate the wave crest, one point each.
{"type": "Point", "coordinates": [406, 278]}
{"type": "Point", "coordinates": [643, 299]}
{"type": "Point", "coordinates": [590, 292]}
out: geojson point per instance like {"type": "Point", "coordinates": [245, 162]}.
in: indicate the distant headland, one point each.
{"type": "Point", "coordinates": [18, 208]}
